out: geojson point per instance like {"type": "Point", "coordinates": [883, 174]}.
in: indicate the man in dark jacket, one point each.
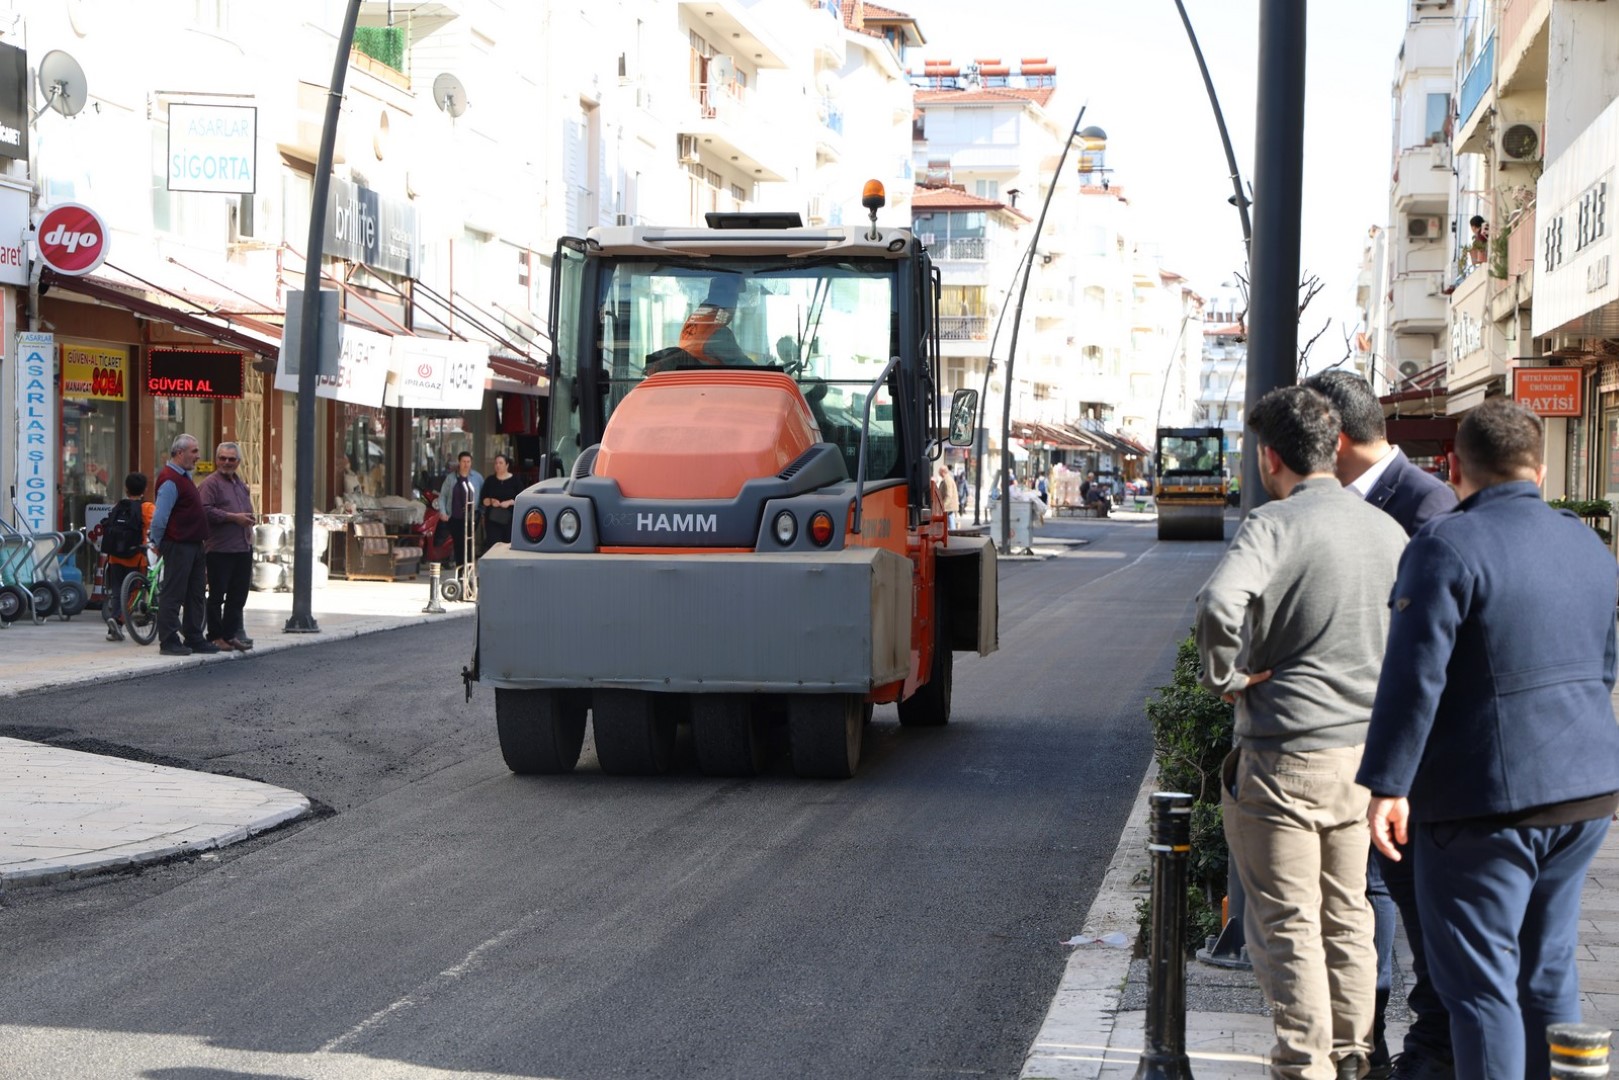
{"type": "Point", "coordinates": [1383, 476]}
{"type": "Point", "coordinates": [179, 527]}
{"type": "Point", "coordinates": [1493, 747]}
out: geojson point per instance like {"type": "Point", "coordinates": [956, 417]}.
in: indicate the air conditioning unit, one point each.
{"type": "Point", "coordinates": [1518, 143]}
{"type": "Point", "coordinates": [1409, 369]}
{"type": "Point", "coordinates": [688, 149]}
{"type": "Point", "coordinates": [1424, 228]}
{"type": "Point", "coordinates": [623, 219]}
{"type": "Point", "coordinates": [1430, 3]}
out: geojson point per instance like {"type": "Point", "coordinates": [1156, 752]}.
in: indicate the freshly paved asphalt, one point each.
{"type": "Point", "coordinates": [451, 919]}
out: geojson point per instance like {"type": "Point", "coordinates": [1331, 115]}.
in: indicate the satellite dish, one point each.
{"type": "Point", "coordinates": [449, 94]}
{"type": "Point", "coordinates": [62, 84]}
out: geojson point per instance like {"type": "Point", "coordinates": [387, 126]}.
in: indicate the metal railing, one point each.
{"type": "Point", "coordinates": [1476, 81]}
{"type": "Point", "coordinates": [964, 327]}
{"type": "Point", "coordinates": [970, 248]}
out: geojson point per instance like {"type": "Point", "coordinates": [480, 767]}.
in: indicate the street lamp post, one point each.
{"type": "Point", "coordinates": [302, 620]}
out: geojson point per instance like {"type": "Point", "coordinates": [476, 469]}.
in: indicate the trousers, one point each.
{"type": "Point", "coordinates": [185, 585]}
{"type": "Point", "coordinates": [1296, 826]}
{"type": "Point", "coordinates": [230, 574]}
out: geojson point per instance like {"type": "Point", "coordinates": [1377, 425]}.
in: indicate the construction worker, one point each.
{"type": "Point", "coordinates": [707, 335]}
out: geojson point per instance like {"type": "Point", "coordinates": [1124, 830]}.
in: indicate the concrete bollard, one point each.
{"type": "Point", "coordinates": [1578, 1050]}
{"type": "Point", "coordinates": [1170, 841]}
{"type": "Point", "coordinates": [433, 606]}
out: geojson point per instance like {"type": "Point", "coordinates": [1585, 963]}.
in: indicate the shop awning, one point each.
{"type": "Point", "coordinates": [255, 337]}
{"type": "Point", "coordinates": [1051, 435]}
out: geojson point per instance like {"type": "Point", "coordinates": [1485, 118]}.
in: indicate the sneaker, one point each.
{"type": "Point", "coordinates": [1413, 1066]}
{"type": "Point", "coordinates": [202, 647]}
{"type": "Point", "coordinates": [240, 644]}
{"type": "Point", "coordinates": [1351, 1067]}
{"type": "Point", "coordinates": [174, 648]}
{"type": "Point", "coordinates": [113, 631]}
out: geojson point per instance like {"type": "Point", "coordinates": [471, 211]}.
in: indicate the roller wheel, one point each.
{"type": "Point", "coordinates": [635, 732]}
{"type": "Point", "coordinates": [930, 705]}
{"type": "Point", "coordinates": [541, 731]}
{"type": "Point", "coordinates": [140, 618]}
{"type": "Point", "coordinates": [825, 731]}
{"type": "Point", "coordinates": [450, 590]}
{"type": "Point", "coordinates": [46, 598]}
{"type": "Point", "coordinates": [74, 598]}
{"type": "Point", "coordinates": [726, 735]}
{"type": "Point", "coordinates": [12, 602]}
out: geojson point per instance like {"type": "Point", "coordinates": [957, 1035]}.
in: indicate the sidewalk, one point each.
{"type": "Point", "coordinates": [1095, 1028]}
{"type": "Point", "coordinates": [67, 814]}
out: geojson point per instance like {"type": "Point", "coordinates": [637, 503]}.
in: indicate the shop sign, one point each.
{"type": "Point", "coordinates": [13, 224]}
{"type": "Point", "coordinates": [34, 500]}
{"type": "Point", "coordinates": [13, 103]}
{"type": "Point", "coordinates": [364, 227]}
{"type": "Point", "coordinates": [213, 147]}
{"type": "Point", "coordinates": [72, 239]}
{"type": "Point", "coordinates": [432, 374]}
{"type": "Point", "coordinates": [363, 358]}
{"type": "Point", "coordinates": [193, 373]}
{"type": "Point", "coordinates": [1549, 391]}
{"type": "Point", "coordinates": [92, 372]}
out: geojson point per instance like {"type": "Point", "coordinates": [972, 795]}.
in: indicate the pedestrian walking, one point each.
{"type": "Point", "coordinates": [1290, 627]}
{"type": "Point", "coordinates": [949, 498]}
{"type": "Point", "coordinates": [124, 539]}
{"type": "Point", "coordinates": [1383, 476]}
{"type": "Point", "coordinates": [498, 497]}
{"type": "Point", "coordinates": [1493, 749]}
{"type": "Point", "coordinates": [458, 498]}
{"type": "Point", "coordinates": [229, 548]}
{"type": "Point", "coordinates": [179, 527]}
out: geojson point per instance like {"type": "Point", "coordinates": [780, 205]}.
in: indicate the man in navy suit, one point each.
{"type": "Point", "coordinates": [1383, 476]}
{"type": "Point", "coordinates": [1493, 749]}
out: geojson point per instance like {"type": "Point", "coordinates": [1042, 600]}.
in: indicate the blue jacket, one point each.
{"type": "Point", "coordinates": [1410, 495]}
{"type": "Point", "coordinates": [1495, 694]}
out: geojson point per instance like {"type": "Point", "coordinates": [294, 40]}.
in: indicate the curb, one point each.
{"type": "Point", "coordinates": [1073, 1040]}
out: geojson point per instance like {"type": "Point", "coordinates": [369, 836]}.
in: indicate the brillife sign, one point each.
{"type": "Point", "coordinates": [213, 148]}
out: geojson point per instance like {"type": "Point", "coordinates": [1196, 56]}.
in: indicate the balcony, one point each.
{"type": "Point", "coordinates": [963, 327]}
{"type": "Point", "coordinates": [741, 25]}
{"type": "Point", "coordinates": [1475, 85]}
{"type": "Point", "coordinates": [738, 136]}
{"type": "Point", "coordinates": [1423, 183]}
{"type": "Point", "coordinates": [1524, 37]}
{"type": "Point", "coordinates": [829, 136]}
{"type": "Point", "coordinates": [1418, 305]}
{"type": "Point", "coordinates": [967, 249]}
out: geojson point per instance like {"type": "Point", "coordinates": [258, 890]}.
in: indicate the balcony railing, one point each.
{"type": "Point", "coordinates": [1514, 17]}
{"type": "Point", "coordinates": [971, 248]}
{"type": "Point", "coordinates": [1476, 82]}
{"type": "Point", "coordinates": [964, 327]}
{"type": "Point", "coordinates": [1521, 243]}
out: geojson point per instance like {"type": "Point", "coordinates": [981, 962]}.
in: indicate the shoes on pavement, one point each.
{"type": "Point", "coordinates": [174, 648]}
{"type": "Point", "coordinates": [1379, 1065]}
{"type": "Point", "coordinates": [1409, 1066]}
{"type": "Point", "coordinates": [240, 644]}
{"type": "Point", "coordinates": [114, 632]}
{"type": "Point", "coordinates": [1351, 1067]}
{"type": "Point", "coordinates": [222, 645]}
{"type": "Point", "coordinates": [202, 647]}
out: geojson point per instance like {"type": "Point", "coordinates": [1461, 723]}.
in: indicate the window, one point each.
{"type": "Point", "coordinates": [987, 189]}
{"type": "Point", "coordinates": [1437, 119]}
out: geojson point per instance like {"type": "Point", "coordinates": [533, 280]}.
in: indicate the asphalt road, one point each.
{"type": "Point", "coordinates": [449, 919]}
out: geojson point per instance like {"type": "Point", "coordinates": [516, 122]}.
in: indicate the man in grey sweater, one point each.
{"type": "Point", "coordinates": [1291, 627]}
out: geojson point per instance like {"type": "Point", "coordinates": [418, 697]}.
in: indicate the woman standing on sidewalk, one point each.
{"type": "Point", "coordinates": [500, 493]}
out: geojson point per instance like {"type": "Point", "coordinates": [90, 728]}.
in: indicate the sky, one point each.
{"type": "Point", "coordinates": [1130, 64]}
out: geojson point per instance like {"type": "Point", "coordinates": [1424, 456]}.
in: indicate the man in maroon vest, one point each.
{"type": "Point", "coordinates": [179, 527]}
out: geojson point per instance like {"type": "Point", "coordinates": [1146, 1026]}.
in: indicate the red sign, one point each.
{"type": "Point", "coordinates": [193, 373]}
{"type": "Point", "coordinates": [1550, 391]}
{"type": "Point", "coordinates": [72, 239]}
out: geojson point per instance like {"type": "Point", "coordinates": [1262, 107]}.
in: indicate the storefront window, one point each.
{"type": "Point", "coordinates": [437, 439]}
{"type": "Point", "coordinates": [365, 444]}
{"type": "Point", "coordinates": [95, 391]}
{"type": "Point", "coordinates": [1610, 423]}
{"type": "Point", "coordinates": [173, 417]}
{"type": "Point", "coordinates": [1577, 455]}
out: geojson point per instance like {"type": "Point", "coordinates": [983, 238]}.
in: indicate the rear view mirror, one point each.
{"type": "Point", "coordinates": [963, 417]}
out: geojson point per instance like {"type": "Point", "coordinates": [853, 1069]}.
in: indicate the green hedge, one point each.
{"type": "Point", "coordinates": [1191, 735]}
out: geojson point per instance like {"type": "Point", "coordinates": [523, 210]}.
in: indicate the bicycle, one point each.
{"type": "Point", "coordinates": [139, 603]}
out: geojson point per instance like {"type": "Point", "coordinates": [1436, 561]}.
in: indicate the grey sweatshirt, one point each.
{"type": "Point", "coordinates": [1303, 593]}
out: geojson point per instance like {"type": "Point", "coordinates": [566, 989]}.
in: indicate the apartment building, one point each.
{"type": "Point", "coordinates": [473, 134]}
{"type": "Point", "coordinates": [1223, 379]}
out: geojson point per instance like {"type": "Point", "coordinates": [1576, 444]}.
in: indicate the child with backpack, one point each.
{"type": "Point", "coordinates": [123, 542]}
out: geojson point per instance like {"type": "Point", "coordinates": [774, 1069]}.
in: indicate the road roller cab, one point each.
{"type": "Point", "coordinates": [1191, 492]}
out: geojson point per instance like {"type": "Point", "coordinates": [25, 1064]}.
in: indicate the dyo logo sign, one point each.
{"type": "Point", "coordinates": [72, 239]}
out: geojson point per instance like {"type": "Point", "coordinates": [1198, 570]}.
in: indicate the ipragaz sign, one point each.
{"type": "Point", "coordinates": [213, 147]}
{"type": "Point", "coordinates": [35, 498]}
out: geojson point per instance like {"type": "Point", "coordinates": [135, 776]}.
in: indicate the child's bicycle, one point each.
{"type": "Point", "coordinates": [139, 603]}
